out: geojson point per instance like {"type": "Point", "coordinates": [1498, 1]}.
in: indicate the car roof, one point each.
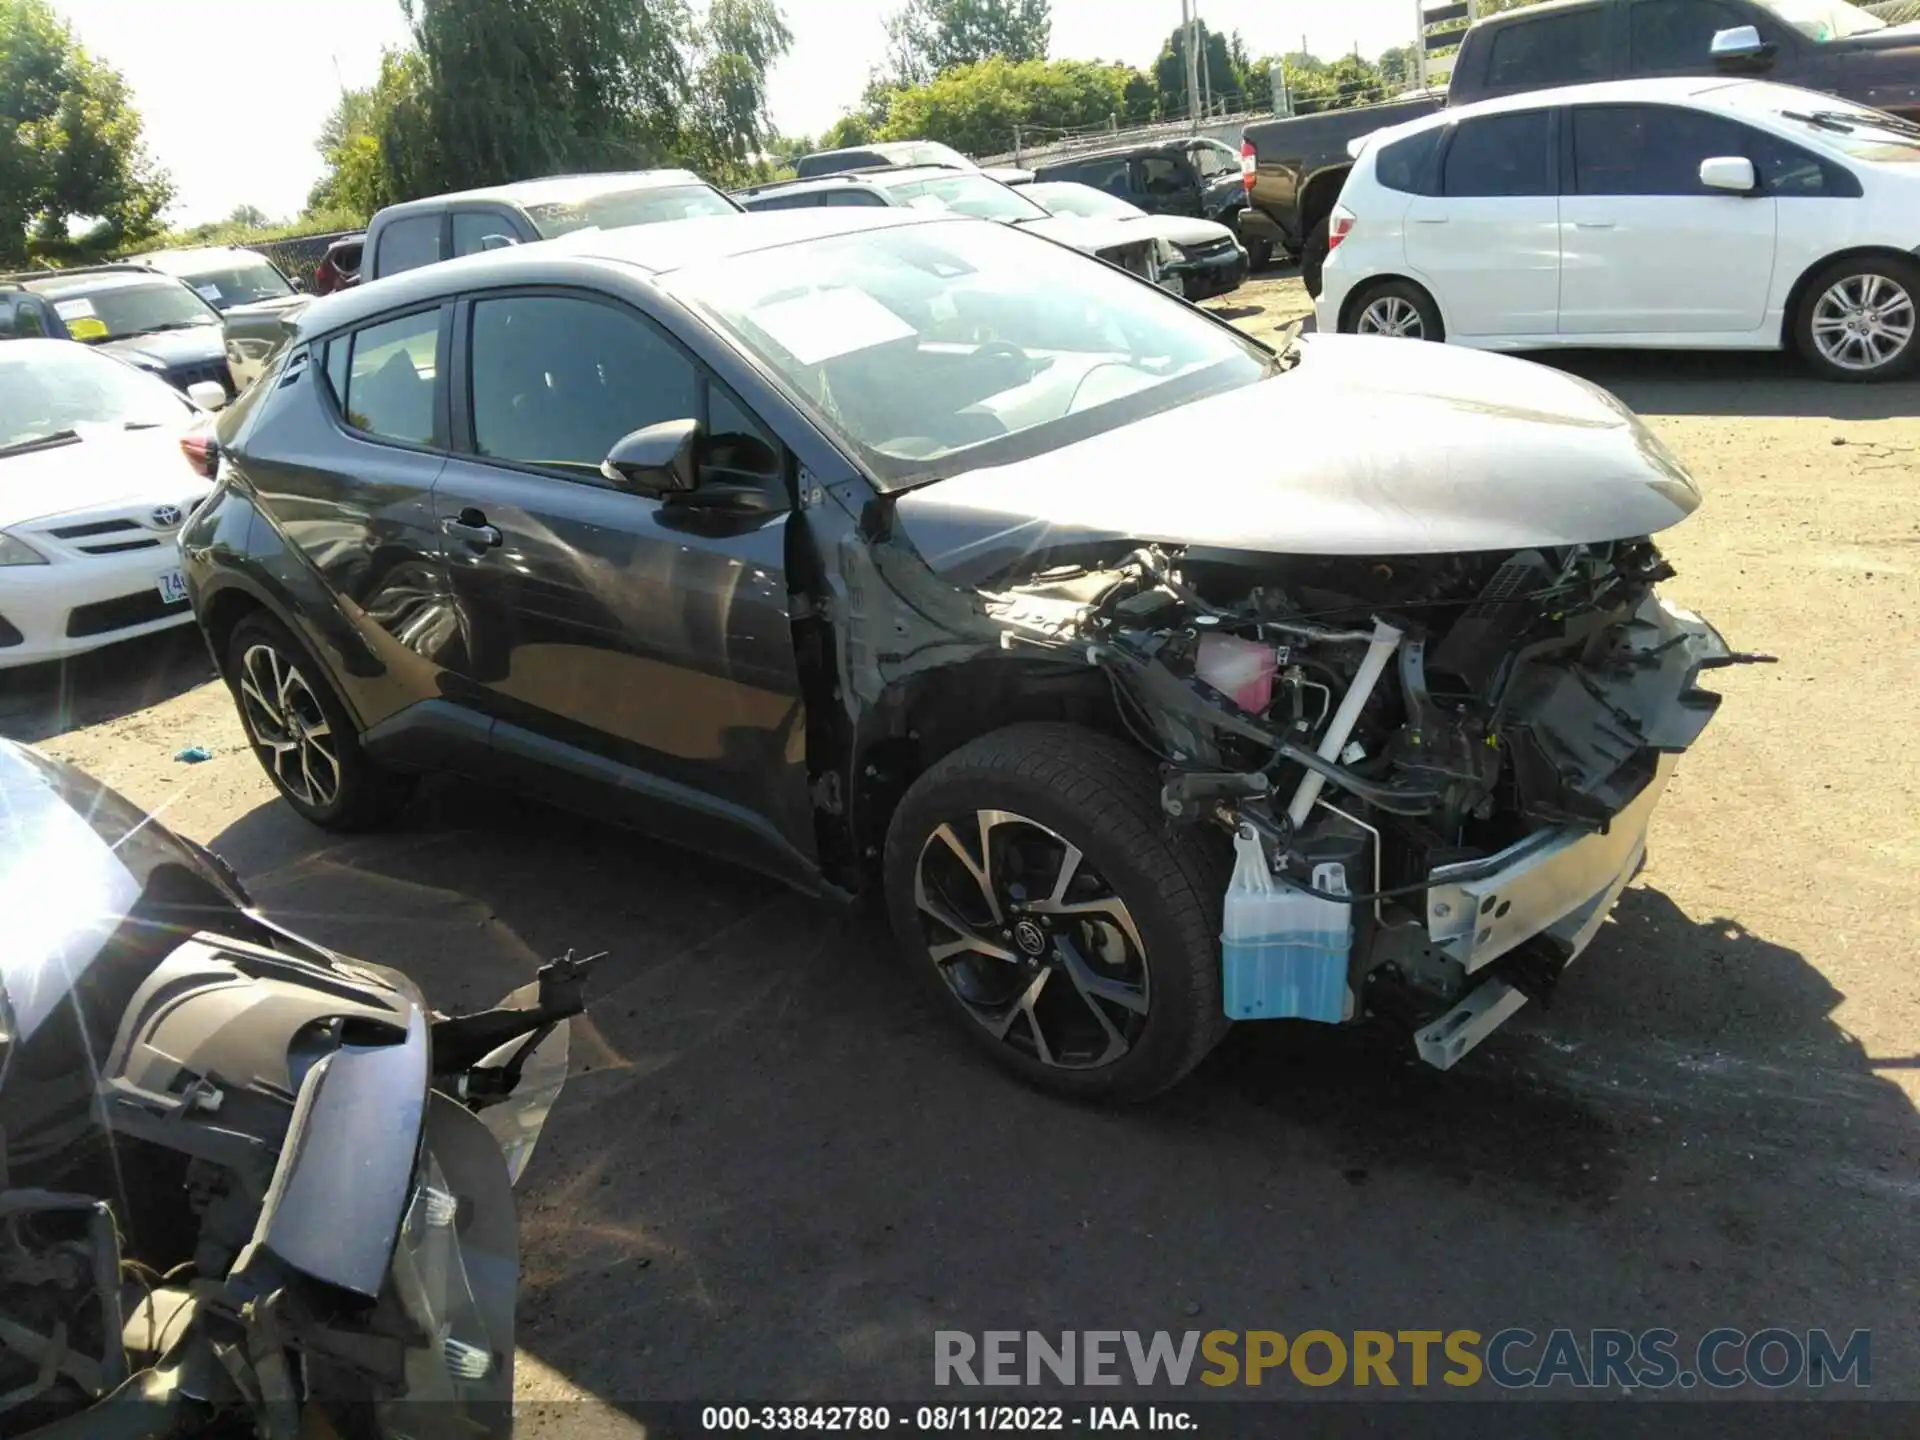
{"type": "Point", "coordinates": [112, 278]}
{"type": "Point", "coordinates": [1661, 90]}
{"type": "Point", "coordinates": [1121, 152]}
{"type": "Point", "coordinates": [190, 256]}
{"type": "Point", "coordinates": [655, 249]}
{"type": "Point", "coordinates": [883, 179]}
{"type": "Point", "coordinates": [553, 189]}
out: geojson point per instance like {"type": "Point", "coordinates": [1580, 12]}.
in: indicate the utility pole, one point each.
{"type": "Point", "coordinates": [1190, 17]}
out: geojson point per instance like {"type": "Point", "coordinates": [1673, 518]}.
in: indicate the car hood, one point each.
{"type": "Point", "coordinates": [286, 305]}
{"type": "Point", "coordinates": [1367, 446]}
{"type": "Point", "coordinates": [172, 347]}
{"type": "Point", "coordinates": [1085, 234]}
{"type": "Point", "coordinates": [105, 467]}
{"type": "Point", "coordinates": [1182, 229]}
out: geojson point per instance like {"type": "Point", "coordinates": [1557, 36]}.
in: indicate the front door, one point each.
{"type": "Point", "coordinates": [636, 653]}
{"type": "Point", "coordinates": [1166, 185]}
{"type": "Point", "coordinates": [1489, 243]}
{"type": "Point", "coordinates": [1645, 247]}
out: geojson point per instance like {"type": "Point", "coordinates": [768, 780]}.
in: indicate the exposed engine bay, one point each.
{"type": "Point", "coordinates": [1474, 740]}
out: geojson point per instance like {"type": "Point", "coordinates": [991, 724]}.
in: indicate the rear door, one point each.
{"type": "Point", "coordinates": [637, 653]}
{"type": "Point", "coordinates": [1490, 240]}
{"type": "Point", "coordinates": [1645, 247]}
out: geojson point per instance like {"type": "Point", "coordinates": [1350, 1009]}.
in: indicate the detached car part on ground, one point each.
{"type": "Point", "coordinates": [245, 1180]}
{"type": "Point", "coordinates": [946, 608]}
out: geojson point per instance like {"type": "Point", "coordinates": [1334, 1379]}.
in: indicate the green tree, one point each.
{"type": "Point", "coordinates": [1223, 77]}
{"type": "Point", "coordinates": [977, 108]}
{"type": "Point", "coordinates": [1400, 66]}
{"type": "Point", "coordinates": [927, 38]}
{"type": "Point", "coordinates": [849, 130]}
{"type": "Point", "coordinates": [70, 145]}
{"type": "Point", "coordinates": [250, 217]}
{"type": "Point", "coordinates": [508, 89]}
{"type": "Point", "coordinates": [373, 136]}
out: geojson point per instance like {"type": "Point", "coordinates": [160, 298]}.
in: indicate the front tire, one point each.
{"type": "Point", "coordinates": [1259, 255]}
{"type": "Point", "coordinates": [1033, 886]}
{"type": "Point", "coordinates": [302, 735]}
{"type": "Point", "coordinates": [1856, 320]}
{"type": "Point", "coordinates": [1313, 257]}
{"type": "Point", "coordinates": [1398, 309]}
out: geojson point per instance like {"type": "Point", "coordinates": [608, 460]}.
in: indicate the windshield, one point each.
{"type": "Point", "coordinates": [115, 312]}
{"type": "Point", "coordinates": [936, 349]}
{"type": "Point", "coordinates": [967, 194]}
{"type": "Point", "coordinates": [1066, 198]}
{"type": "Point", "coordinates": [55, 388]}
{"type": "Point", "coordinates": [1824, 20]}
{"type": "Point", "coordinates": [616, 208]}
{"type": "Point", "coordinates": [243, 282]}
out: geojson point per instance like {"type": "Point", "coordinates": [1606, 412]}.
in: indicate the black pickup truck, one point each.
{"type": "Point", "coordinates": [1294, 168]}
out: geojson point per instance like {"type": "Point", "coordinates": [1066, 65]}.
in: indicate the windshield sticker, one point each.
{"type": "Point", "coordinates": [208, 291]}
{"type": "Point", "coordinates": [88, 328]}
{"type": "Point", "coordinates": [826, 324]}
{"type": "Point", "coordinates": [73, 309]}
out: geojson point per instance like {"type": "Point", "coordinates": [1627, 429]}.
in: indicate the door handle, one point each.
{"type": "Point", "coordinates": [1593, 224]}
{"type": "Point", "coordinates": [471, 528]}
{"type": "Point", "coordinates": [1429, 219]}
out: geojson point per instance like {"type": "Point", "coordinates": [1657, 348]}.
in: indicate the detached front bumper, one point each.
{"type": "Point", "coordinates": [1562, 882]}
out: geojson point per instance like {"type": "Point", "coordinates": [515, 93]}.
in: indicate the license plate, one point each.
{"type": "Point", "coordinates": [173, 587]}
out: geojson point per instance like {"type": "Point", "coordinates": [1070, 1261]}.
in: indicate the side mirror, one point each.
{"type": "Point", "coordinates": [207, 394]}
{"type": "Point", "coordinates": [1741, 48]}
{"type": "Point", "coordinates": [660, 460]}
{"type": "Point", "coordinates": [497, 242]}
{"type": "Point", "coordinates": [298, 285]}
{"type": "Point", "coordinates": [1732, 173]}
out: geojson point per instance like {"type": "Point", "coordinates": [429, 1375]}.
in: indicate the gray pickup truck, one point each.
{"type": "Point", "coordinates": [1294, 168]}
{"type": "Point", "coordinates": [440, 227]}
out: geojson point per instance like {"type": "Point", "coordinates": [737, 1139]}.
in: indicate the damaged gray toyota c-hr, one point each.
{"type": "Point", "coordinates": [878, 552]}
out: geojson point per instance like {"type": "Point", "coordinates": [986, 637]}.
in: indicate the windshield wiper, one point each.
{"type": "Point", "coordinates": [40, 442]}
{"type": "Point", "coordinates": [1845, 123]}
{"type": "Point", "coordinates": [172, 325]}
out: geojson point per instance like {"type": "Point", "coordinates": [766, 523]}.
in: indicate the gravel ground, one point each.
{"type": "Point", "coordinates": [775, 1171]}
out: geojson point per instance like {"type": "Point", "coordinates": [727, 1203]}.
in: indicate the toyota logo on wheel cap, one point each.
{"type": "Point", "coordinates": [167, 516]}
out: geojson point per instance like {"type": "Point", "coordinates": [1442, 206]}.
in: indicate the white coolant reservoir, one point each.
{"type": "Point", "coordinates": [1283, 952]}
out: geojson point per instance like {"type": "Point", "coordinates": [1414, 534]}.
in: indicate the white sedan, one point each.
{"type": "Point", "coordinates": [100, 464]}
{"type": "Point", "coordinates": [1674, 213]}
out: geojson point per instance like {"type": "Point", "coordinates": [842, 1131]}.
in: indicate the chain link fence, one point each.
{"type": "Point", "coordinates": [299, 256]}
{"type": "Point", "coordinates": [1895, 12]}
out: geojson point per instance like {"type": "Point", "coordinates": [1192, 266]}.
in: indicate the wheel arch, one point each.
{"type": "Point", "coordinates": [1797, 294]}
{"type": "Point", "coordinates": [923, 719]}
{"type": "Point", "coordinates": [1320, 194]}
{"type": "Point", "coordinates": [1359, 293]}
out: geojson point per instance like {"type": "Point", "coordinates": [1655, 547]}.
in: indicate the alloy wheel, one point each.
{"type": "Point", "coordinates": [285, 721]}
{"type": "Point", "coordinates": [1392, 315]}
{"type": "Point", "coordinates": [1864, 322]}
{"type": "Point", "coordinates": [1032, 940]}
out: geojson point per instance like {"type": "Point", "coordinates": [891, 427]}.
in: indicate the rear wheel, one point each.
{"type": "Point", "coordinates": [1857, 319]}
{"type": "Point", "coordinates": [1259, 254]}
{"type": "Point", "coordinates": [1395, 308]}
{"type": "Point", "coordinates": [1032, 884]}
{"type": "Point", "coordinates": [1313, 257]}
{"type": "Point", "coordinates": [301, 732]}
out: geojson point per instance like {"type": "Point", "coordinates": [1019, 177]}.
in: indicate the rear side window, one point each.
{"type": "Point", "coordinates": [854, 195]}
{"type": "Point", "coordinates": [408, 244]}
{"type": "Point", "coordinates": [830, 164]}
{"type": "Point", "coordinates": [1407, 165]}
{"type": "Point", "coordinates": [383, 377]}
{"type": "Point", "coordinates": [1553, 50]}
{"type": "Point", "coordinates": [807, 200]}
{"type": "Point", "coordinates": [1496, 155]}
{"type": "Point", "coordinates": [1163, 175]}
{"type": "Point", "coordinates": [1648, 149]}
{"type": "Point", "coordinates": [1108, 175]}
{"type": "Point", "coordinates": [1666, 37]}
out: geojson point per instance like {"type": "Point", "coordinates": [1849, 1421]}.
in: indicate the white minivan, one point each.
{"type": "Point", "coordinates": [1675, 213]}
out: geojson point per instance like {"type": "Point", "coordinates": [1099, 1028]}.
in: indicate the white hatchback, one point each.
{"type": "Point", "coordinates": [1675, 213]}
{"type": "Point", "coordinates": [100, 465]}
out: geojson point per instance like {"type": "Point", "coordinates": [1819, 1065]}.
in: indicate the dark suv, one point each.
{"type": "Point", "coordinates": [879, 550]}
{"type": "Point", "coordinates": [146, 318]}
{"type": "Point", "coordinates": [1189, 176]}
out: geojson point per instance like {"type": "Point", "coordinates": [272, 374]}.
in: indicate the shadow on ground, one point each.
{"type": "Point", "coordinates": [1658, 382]}
{"type": "Point", "coordinates": [40, 701]}
{"type": "Point", "coordinates": [776, 1171]}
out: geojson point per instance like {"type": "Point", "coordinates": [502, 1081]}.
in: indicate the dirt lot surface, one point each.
{"type": "Point", "coordinates": [775, 1172]}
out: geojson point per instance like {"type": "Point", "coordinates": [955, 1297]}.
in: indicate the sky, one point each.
{"type": "Point", "coordinates": [234, 91]}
